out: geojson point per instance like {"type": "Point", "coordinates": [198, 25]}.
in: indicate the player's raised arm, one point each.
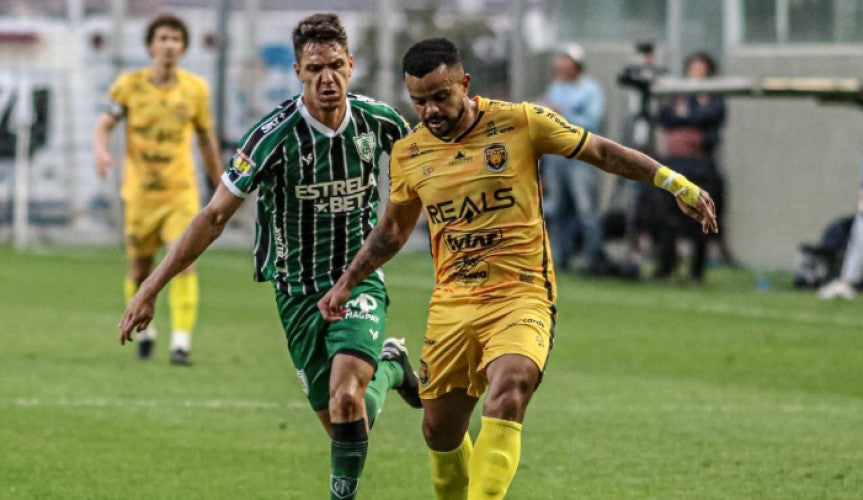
{"type": "Point", "coordinates": [626, 162]}
{"type": "Point", "coordinates": [203, 230]}
{"type": "Point", "coordinates": [385, 240]}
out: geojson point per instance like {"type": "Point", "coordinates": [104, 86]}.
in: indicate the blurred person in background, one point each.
{"type": "Point", "coordinates": [571, 185]}
{"type": "Point", "coordinates": [852, 263]}
{"type": "Point", "coordinates": [481, 195]}
{"type": "Point", "coordinates": [639, 133]}
{"type": "Point", "coordinates": [692, 126]}
{"type": "Point", "coordinates": [164, 106]}
{"type": "Point", "coordinates": [314, 162]}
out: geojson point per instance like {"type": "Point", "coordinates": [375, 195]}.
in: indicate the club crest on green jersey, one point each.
{"type": "Point", "coordinates": [365, 146]}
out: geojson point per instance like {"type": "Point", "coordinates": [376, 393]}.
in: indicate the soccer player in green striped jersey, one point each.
{"type": "Point", "coordinates": [314, 162]}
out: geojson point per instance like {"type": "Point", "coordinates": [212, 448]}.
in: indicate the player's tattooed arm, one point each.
{"type": "Point", "coordinates": [620, 160]}
{"type": "Point", "coordinates": [382, 246]}
{"type": "Point", "coordinates": [385, 240]}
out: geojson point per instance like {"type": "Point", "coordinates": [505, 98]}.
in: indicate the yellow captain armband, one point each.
{"type": "Point", "coordinates": [678, 185]}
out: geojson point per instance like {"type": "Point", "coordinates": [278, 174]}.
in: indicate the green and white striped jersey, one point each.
{"type": "Point", "coordinates": [317, 189]}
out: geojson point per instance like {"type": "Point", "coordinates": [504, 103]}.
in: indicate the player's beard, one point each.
{"type": "Point", "coordinates": [450, 123]}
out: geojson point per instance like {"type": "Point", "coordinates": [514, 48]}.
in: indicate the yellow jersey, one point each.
{"type": "Point", "coordinates": [482, 197]}
{"type": "Point", "coordinates": [159, 126]}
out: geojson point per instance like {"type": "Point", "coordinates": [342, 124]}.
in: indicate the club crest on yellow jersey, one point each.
{"type": "Point", "coordinates": [495, 157]}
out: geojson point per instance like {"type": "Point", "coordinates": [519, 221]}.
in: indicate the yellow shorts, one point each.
{"type": "Point", "coordinates": [150, 224]}
{"type": "Point", "coordinates": [463, 338]}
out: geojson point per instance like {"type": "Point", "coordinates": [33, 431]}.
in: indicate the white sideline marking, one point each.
{"type": "Point", "coordinates": [208, 404]}
{"type": "Point", "coordinates": [707, 306]}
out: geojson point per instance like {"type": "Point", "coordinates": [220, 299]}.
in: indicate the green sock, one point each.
{"type": "Point", "coordinates": [347, 457]}
{"type": "Point", "coordinates": [388, 375]}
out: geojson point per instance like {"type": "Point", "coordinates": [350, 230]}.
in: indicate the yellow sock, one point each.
{"type": "Point", "coordinates": [449, 471]}
{"type": "Point", "coordinates": [495, 458]}
{"type": "Point", "coordinates": [183, 302]}
{"type": "Point", "coordinates": [129, 288]}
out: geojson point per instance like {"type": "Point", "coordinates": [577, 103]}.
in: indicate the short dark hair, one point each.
{"type": "Point", "coordinates": [319, 28]}
{"type": "Point", "coordinates": [425, 56]}
{"type": "Point", "coordinates": [706, 58]}
{"type": "Point", "coordinates": [168, 21]}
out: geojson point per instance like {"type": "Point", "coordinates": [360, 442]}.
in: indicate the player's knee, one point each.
{"type": "Point", "coordinates": [508, 399]}
{"type": "Point", "coordinates": [346, 405]}
{"type": "Point", "coordinates": [441, 436]}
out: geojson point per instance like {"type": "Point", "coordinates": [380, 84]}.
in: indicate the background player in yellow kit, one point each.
{"type": "Point", "coordinates": [163, 106]}
{"type": "Point", "coordinates": [472, 166]}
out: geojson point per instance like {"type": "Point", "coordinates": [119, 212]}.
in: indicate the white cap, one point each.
{"type": "Point", "coordinates": [574, 51]}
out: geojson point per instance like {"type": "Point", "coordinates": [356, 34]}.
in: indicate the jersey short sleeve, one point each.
{"type": "Point", "coordinates": [203, 119]}
{"type": "Point", "coordinates": [257, 152]}
{"type": "Point", "coordinates": [550, 133]}
{"type": "Point", "coordinates": [401, 190]}
{"type": "Point", "coordinates": [118, 96]}
{"type": "Point", "coordinates": [239, 178]}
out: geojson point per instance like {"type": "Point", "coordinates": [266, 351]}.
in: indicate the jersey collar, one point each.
{"type": "Point", "coordinates": [320, 127]}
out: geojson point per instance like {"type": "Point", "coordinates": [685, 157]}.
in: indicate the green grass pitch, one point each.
{"type": "Point", "coordinates": [652, 391]}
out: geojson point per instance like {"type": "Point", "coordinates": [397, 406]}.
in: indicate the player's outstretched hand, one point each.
{"type": "Point", "coordinates": [104, 162]}
{"type": "Point", "coordinates": [137, 316]}
{"type": "Point", "coordinates": [704, 212]}
{"type": "Point", "coordinates": [332, 304]}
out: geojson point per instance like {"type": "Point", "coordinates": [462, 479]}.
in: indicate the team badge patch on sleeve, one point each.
{"type": "Point", "coordinates": [495, 157]}
{"type": "Point", "coordinates": [241, 163]}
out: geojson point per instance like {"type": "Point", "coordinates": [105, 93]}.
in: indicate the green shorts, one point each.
{"type": "Point", "coordinates": [313, 342]}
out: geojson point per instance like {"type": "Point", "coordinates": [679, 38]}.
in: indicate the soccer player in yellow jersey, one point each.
{"type": "Point", "coordinates": [472, 167]}
{"type": "Point", "coordinates": [163, 106]}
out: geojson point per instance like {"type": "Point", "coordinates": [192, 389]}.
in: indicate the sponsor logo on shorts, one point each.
{"type": "Point", "coordinates": [526, 321]}
{"type": "Point", "coordinates": [470, 271]}
{"type": "Point", "coordinates": [526, 276]}
{"type": "Point", "coordinates": [429, 342]}
{"type": "Point", "coordinates": [361, 308]}
{"type": "Point", "coordinates": [424, 372]}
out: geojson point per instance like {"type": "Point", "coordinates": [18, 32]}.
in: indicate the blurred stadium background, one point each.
{"type": "Point", "coordinates": [68, 51]}
{"type": "Point", "coordinates": [745, 393]}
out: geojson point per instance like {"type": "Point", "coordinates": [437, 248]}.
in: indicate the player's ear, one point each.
{"type": "Point", "coordinates": [465, 83]}
{"type": "Point", "coordinates": [350, 65]}
{"type": "Point", "coordinates": [297, 69]}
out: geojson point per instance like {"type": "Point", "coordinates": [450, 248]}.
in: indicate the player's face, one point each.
{"type": "Point", "coordinates": [440, 99]}
{"type": "Point", "coordinates": [324, 69]}
{"type": "Point", "coordinates": [166, 46]}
